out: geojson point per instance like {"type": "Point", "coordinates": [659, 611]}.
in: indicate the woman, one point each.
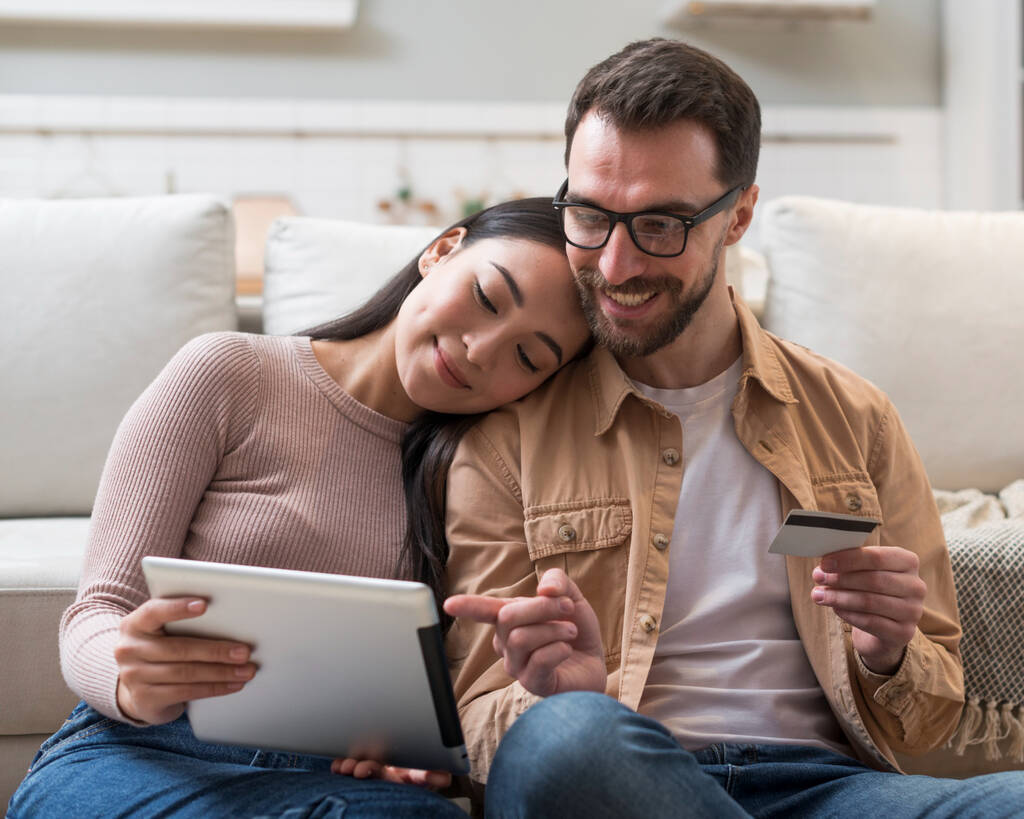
{"type": "Point", "coordinates": [286, 452]}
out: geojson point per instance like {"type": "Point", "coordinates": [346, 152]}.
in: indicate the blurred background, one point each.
{"type": "Point", "coordinates": [415, 112]}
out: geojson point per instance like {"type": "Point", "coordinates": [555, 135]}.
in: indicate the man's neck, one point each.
{"type": "Point", "coordinates": [707, 347]}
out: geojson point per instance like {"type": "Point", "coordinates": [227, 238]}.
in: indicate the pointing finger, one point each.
{"type": "Point", "coordinates": [478, 607]}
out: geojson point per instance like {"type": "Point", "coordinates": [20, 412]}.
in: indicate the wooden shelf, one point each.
{"type": "Point", "coordinates": [686, 12]}
{"type": "Point", "coordinates": [265, 15]}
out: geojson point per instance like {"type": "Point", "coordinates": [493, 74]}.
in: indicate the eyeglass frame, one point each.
{"type": "Point", "coordinates": [614, 217]}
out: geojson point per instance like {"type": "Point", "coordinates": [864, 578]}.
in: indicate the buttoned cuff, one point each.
{"type": "Point", "coordinates": [873, 677]}
{"type": "Point", "coordinates": [895, 692]}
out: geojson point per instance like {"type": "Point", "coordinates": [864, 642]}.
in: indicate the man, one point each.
{"type": "Point", "coordinates": [609, 533]}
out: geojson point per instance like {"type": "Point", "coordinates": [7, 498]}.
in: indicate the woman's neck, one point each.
{"type": "Point", "coordinates": [365, 368]}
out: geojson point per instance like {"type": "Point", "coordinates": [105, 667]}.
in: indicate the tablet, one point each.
{"type": "Point", "coordinates": [348, 666]}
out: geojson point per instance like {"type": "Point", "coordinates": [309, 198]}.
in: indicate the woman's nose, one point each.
{"type": "Point", "coordinates": [481, 346]}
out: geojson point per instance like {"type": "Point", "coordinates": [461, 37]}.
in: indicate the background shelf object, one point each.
{"type": "Point", "coordinates": [683, 12]}
{"type": "Point", "coordinates": [983, 98]}
{"type": "Point", "coordinates": [294, 15]}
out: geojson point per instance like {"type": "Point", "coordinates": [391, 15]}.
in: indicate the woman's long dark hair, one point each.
{"type": "Point", "coordinates": [430, 442]}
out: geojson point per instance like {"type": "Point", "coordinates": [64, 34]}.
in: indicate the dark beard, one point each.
{"type": "Point", "coordinates": [589, 280]}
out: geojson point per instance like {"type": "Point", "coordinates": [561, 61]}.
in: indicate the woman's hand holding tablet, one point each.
{"type": "Point", "coordinates": [159, 673]}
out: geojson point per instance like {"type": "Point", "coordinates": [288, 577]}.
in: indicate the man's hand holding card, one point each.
{"type": "Point", "coordinates": [808, 533]}
{"type": "Point", "coordinates": [876, 589]}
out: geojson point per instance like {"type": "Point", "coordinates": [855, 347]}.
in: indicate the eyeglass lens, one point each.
{"type": "Point", "coordinates": [654, 233]}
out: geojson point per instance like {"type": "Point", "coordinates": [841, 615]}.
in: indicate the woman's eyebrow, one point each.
{"type": "Point", "coordinates": [556, 348]}
{"type": "Point", "coordinates": [517, 295]}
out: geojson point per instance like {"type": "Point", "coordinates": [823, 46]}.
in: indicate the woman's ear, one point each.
{"type": "Point", "coordinates": [440, 248]}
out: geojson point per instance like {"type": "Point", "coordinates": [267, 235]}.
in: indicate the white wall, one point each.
{"type": "Point", "coordinates": [528, 50]}
{"type": "Point", "coordinates": [462, 99]}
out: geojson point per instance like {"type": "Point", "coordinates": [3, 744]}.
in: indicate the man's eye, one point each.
{"type": "Point", "coordinates": [481, 297]}
{"type": "Point", "coordinates": [656, 225]}
{"type": "Point", "coordinates": [588, 218]}
{"type": "Point", "coordinates": [526, 359]}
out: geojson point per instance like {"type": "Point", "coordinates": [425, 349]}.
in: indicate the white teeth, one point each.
{"type": "Point", "coordinates": [629, 299]}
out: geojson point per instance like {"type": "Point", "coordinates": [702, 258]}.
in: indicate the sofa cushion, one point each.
{"type": "Point", "coordinates": [40, 562]}
{"type": "Point", "coordinates": [926, 304]}
{"type": "Point", "coordinates": [319, 269]}
{"type": "Point", "coordinates": [97, 296]}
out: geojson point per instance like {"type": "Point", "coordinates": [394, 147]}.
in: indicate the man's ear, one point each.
{"type": "Point", "coordinates": [742, 214]}
{"type": "Point", "coordinates": [443, 246]}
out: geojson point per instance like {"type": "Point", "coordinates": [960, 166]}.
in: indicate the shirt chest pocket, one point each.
{"type": "Point", "coordinates": [849, 493]}
{"type": "Point", "coordinates": [589, 541]}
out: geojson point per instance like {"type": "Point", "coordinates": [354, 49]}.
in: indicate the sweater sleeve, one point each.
{"type": "Point", "coordinates": [164, 455]}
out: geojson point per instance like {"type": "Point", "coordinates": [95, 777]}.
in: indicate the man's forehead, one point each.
{"type": "Point", "coordinates": [669, 168]}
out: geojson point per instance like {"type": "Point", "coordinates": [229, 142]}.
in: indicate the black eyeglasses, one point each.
{"type": "Point", "coordinates": [655, 232]}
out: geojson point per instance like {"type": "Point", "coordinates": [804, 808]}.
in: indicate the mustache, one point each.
{"type": "Point", "coordinates": [591, 277]}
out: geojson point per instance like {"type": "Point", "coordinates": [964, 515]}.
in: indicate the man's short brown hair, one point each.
{"type": "Point", "coordinates": [653, 83]}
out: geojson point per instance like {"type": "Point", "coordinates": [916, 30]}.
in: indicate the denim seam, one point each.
{"type": "Point", "coordinates": [84, 733]}
{"type": "Point", "coordinates": [730, 778]}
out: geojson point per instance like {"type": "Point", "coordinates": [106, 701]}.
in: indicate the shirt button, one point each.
{"type": "Point", "coordinates": [660, 542]}
{"type": "Point", "coordinates": [566, 532]}
{"type": "Point", "coordinates": [648, 623]}
{"type": "Point", "coordinates": [853, 502]}
{"type": "Point", "coordinates": [670, 456]}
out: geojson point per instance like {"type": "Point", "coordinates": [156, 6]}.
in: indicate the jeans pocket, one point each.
{"type": "Point", "coordinates": [83, 721]}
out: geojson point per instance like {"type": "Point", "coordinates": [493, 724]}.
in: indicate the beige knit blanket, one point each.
{"type": "Point", "coordinates": [985, 534]}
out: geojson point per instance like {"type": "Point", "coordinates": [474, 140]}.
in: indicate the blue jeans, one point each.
{"type": "Point", "coordinates": [586, 755]}
{"type": "Point", "coordinates": [95, 766]}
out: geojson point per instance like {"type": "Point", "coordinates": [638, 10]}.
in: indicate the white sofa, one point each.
{"type": "Point", "coordinates": [100, 293]}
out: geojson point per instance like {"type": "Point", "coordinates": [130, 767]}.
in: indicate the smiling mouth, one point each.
{"type": "Point", "coordinates": [450, 374]}
{"type": "Point", "coordinates": [630, 299]}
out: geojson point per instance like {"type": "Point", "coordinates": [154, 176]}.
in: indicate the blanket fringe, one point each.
{"type": "Point", "coordinates": [1014, 729]}
{"type": "Point", "coordinates": [970, 722]}
{"type": "Point", "coordinates": [992, 733]}
{"type": "Point", "coordinates": [989, 723]}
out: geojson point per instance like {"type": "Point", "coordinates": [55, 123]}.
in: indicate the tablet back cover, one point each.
{"type": "Point", "coordinates": [348, 666]}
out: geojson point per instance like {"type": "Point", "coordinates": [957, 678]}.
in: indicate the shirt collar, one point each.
{"type": "Point", "coordinates": [760, 360]}
{"type": "Point", "coordinates": [609, 385]}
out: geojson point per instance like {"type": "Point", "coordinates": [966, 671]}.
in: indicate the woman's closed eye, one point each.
{"type": "Point", "coordinates": [525, 359]}
{"type": "Point", "coordinates": [482, 299]}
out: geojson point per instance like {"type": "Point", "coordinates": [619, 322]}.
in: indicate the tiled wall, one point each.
{"type": "Point", "coordinates": [340, 159]}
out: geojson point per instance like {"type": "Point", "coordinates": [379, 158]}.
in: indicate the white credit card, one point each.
{"type": "Point", "coordinates": [807, 533]}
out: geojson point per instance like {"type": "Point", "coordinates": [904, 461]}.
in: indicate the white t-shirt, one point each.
{"type": "Point", "coordinates": [729, 665]}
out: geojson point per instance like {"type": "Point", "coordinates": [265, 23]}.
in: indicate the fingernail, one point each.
{"type": "Point", "coordinates": [564, 605]}
{"type": "Point", "coordinates": [818, 595]}
{"type": "Point", "coordinates": [244, 671]}
{"type": "Point", "coordinates": [196, 606]}
{"type": "Point", "coordinates": [235, 686]}
{"type": "Point", "coordinates": [238, 653]}
{"type": "Point", "coordinates": [818, 575]}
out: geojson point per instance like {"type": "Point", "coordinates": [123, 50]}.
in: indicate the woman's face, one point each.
{"type": "Point", "coordinates": [488, 323]}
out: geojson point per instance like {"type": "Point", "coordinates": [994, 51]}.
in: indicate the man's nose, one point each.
{"type": "Point", "coordinates": [621, 260]}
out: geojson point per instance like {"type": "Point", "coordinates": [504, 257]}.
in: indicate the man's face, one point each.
{"type": "Point", "coordinates": [635, 303]}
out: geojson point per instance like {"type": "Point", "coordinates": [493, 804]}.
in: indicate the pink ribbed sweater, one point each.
{"type": "Point", "coordinates": [243, 450]}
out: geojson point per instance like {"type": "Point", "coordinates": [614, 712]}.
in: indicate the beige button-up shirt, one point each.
{"type": "Point", "coordinates": [584, 474]}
